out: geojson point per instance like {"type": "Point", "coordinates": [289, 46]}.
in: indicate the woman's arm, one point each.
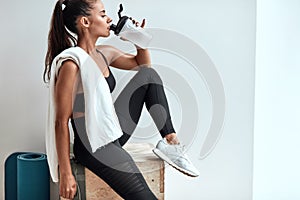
{"type": "Point", "coordinates": [64, 88]}
{"type": "Point", "coordinates": [122, 60]}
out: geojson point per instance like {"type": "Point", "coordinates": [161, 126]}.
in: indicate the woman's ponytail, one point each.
{"type": "Point", "coordinates": [59, 38]}
{"type": "Point", "coordinates": [64, 20]}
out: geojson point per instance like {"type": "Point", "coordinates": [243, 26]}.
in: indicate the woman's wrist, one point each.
{"type": "Point", "coordinates": [66, 173]}
{"type": "Point", "coordinates": [65, 169]}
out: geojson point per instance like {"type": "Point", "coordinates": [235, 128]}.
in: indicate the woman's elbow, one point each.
{"type": "Point", "coordinates": [61, 124]}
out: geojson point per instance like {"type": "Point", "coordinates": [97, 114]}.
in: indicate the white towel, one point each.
{"type": "Point", "coordinates": [102, 125]}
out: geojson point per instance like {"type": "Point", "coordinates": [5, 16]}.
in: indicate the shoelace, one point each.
{"type": "Point", "coordinates": [180, 148]}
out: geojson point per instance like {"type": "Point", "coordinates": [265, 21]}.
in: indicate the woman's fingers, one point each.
{"type": "Point", "coordinates": [68, 193]}
{"type": "Point", "coordinates": [143, 23]}
{"type": "Point", "coordinates": [67, 187]}
{"type": "Point", "coordinates": [136, 23]}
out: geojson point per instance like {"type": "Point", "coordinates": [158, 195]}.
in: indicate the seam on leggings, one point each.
{"type": "Point", "coordinates": [165, 124]}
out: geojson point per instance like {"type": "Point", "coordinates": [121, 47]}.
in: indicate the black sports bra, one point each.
{"type": "Point", "coordinates": [79, 100]}
{"type": "Point", "coordinates": [111, 81]}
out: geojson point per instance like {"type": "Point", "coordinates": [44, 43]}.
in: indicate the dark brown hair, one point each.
{"type": "Point", "coordinates": [59, 38]}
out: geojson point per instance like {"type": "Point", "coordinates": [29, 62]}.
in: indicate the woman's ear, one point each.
{"type": "Point", "coordinates": [84, 22]}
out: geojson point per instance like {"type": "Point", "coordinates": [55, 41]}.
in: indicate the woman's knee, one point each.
{"type": "Point", "coordinates": [150, 74]}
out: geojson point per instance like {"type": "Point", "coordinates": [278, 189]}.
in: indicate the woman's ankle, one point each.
{"type": "Point", "coordinates": [172, 138]}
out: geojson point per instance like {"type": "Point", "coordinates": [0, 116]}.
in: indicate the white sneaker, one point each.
{"type": "Point", "coordinates": [174, 156]}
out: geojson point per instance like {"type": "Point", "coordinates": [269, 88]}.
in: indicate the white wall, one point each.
{"type": "Point", "coordinates": [225, 29]}
{"type": "Point", "coordinates": [23, 105]}
{"type": "Point", "coordinates": [277, 111]}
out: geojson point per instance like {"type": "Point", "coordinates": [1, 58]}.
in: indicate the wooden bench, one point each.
{"type": "Point", "coordinates": [152, 168]}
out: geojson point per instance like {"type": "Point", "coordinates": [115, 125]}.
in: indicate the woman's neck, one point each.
{"type": "Point", "coordinates": [87, 44]}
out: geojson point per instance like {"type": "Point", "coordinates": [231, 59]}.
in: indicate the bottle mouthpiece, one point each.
{"type": "Point", "coordinates": [113, 27]}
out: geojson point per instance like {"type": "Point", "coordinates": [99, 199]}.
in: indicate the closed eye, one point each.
{"type": "Point", "coordinates": [103, 13]}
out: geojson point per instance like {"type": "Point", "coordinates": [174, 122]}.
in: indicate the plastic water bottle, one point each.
{"type": "Point", "coordinates": [129, 31]}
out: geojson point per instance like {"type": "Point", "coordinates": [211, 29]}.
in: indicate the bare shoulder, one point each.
{"type": "Point", "coordinates": [110, 52]}
{"type": "Point", "coordinates": [69, 67]}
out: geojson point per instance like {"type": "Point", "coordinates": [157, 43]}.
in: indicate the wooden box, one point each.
{"type": "Point", "coordinates": [152, 168]}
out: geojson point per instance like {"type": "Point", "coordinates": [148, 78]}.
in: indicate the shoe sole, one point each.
{"type": "Point", "coordinates": [162, 156]}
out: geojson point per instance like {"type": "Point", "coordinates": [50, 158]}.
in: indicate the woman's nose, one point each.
{"type": "Point", "coordinates": [109, 20]}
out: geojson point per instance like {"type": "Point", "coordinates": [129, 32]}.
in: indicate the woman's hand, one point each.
{"type": "Point", "coordinates": [136, 23]}
{"type": "Point", "coordinates": [67, 186]}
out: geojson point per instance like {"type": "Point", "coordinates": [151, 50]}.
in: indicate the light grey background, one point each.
{"type": "Point", "coordinates": [225, 29]}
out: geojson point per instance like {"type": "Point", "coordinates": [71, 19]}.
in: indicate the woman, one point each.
{"type": "Point", "coordinates": [71, 100]}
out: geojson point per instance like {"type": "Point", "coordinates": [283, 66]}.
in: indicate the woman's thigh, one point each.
{"type": "Point", "coordinates": [115, 166]}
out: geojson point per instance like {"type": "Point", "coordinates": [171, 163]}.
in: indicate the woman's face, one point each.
{"type": "Point", "coordinates": [99, 21]}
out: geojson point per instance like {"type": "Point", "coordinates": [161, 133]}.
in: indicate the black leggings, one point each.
{"type": "Point", "coordinates": [111, 162]}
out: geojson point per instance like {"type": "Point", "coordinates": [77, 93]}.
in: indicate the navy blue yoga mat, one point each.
{"type": "Point", "coordinates": [32, 177]}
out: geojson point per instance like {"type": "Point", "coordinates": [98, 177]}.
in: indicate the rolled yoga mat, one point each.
{"type": "Point", "coordinates": [33, 177]}
{"type": "Point", "coordinates": [11, 176]}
